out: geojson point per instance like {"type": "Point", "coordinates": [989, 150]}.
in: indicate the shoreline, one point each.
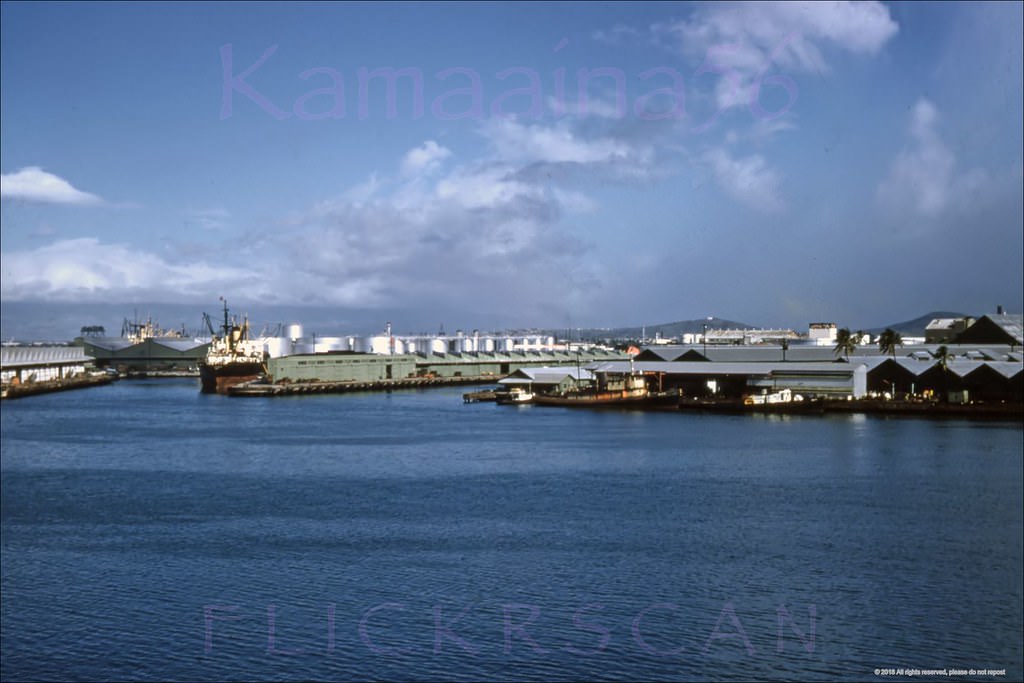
{"type": "Point", "coordinates": [51, 386]}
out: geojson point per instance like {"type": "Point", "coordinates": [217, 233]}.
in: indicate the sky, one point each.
{"type": "Point", "coordinates": [510, 165]}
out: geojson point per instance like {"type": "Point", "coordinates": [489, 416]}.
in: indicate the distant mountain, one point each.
{"type": "Point", "coordinates": [915, 327]}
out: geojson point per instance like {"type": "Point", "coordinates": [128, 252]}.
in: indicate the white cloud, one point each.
{"type": "Point", "coordinates": [616, 35]}
{"type": "Point", "coordinates": [515, 141]}
{"type": "Point", "coordinates": [208, 219]}
{"type": "Point", "coordinates": [33, 184]}
{"type": "Point", "coordinates": [474, 237]}
{"type": "Point", "coordinates": [424, 159]}
{"type": "Point", "coordinates": [749, 180]}
{"type": "Point", "coordinates": [923, 178]}
{"type": "Point", "coordinates": [87, 269]}
{"type": "Point", "coordinates": [749, 38]}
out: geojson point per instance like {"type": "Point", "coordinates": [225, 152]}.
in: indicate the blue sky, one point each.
{"type": "Point", "coordinates": [770, 163]}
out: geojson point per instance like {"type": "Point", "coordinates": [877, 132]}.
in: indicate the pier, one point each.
{"type": "Point", "coordinates": [30, 370]}
{"type": "Point", "coordinates": [259, 388]}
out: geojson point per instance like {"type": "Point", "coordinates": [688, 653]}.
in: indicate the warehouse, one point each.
{"type": "Point", "coordinates": [733, 380]}
{"type": "Point", "coordinates": [22, 364]}
{"type": "Point", "coordinates": [995, 328]}
{"type": "Point", "coordinates": [358, 367]}
{"type": "Point", "coordinates": [150, 354]}
{"type": "Point", "coordinates": [548, 379]}
{"type": "Point", "coordinates": [340, 367]}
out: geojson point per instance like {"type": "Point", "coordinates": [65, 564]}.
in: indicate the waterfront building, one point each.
{"type": "Point", "coordinates": [945, 330]}
{"type": "Point", "coordinates": [822, 334]}
{"type": "Point", "coordinates": [24, 364]}
{"type": "Point", "coordinates": [967, 372]}
{"type": "Point", "coordinates": [357, 367]}
{"type": "Point", "coordinates": [146, 355]}
{"type": "Point", "coordinates": [995, 328]}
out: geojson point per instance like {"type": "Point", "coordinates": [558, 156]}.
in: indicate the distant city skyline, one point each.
{"type": "Point", "coordinates": [504, 165]}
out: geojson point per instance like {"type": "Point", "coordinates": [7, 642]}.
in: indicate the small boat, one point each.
{"type": "Point", "coordinates": [514, 395]}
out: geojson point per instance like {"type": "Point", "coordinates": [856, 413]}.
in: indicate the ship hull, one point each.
{"type": "Point", "coordinates": [606, 400]}
{"type": "Point", "coordinates": [218, 379]}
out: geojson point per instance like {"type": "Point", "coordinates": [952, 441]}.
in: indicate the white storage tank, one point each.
{"type": "Point", "coordinates": [295, 331]}
{"type": "Point", "coordinates": [379, 344]}
{"type": "Point", "coordinates": [302, 346]}
{"type": "Point", "coordinates": [276, 347]}
{"type": "Point", "coordinates": [325, 344]}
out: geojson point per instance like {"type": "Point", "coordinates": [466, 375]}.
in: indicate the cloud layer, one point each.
{"type": "Point", "coordinates": [923, 179]}
{"type": "Point", "coordinates": [745, 40]}
{"type": "Point", "coordinates": [474, 233]}
{"type": "Point", "coordinates": [33, 184]}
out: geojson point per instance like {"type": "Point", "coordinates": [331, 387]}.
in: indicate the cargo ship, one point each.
{"type": "Point", "coordinates": [233, 357]}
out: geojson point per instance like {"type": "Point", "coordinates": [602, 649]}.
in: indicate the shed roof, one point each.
{"type": "Point", "coordinates": [720, 368]}
{"type": "Point", "coordinates": [23, 356]}
{"type": "Point", "coordinates": [179, 344]}
{"type": "Point", "coordinates": [547, 375]}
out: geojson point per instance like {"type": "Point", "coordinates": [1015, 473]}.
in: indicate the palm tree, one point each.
{"type": "Point", "coordinates": [942, 354]}
{"type": "Point", "coordinates": [846, 343]}
{"type": "Point", "coordinates": [888, 341]}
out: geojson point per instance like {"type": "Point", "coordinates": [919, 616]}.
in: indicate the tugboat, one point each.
{"type": "Point", "coordinates": [233, 358]}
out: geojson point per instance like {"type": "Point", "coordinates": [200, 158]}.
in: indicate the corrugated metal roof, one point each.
{"type": "Point", "coordinates": [110, 344]}
{"type": "Point", "coordinates": [19, 356]}
{"type": "Point", "coordinates": [546, 375]}
{"type": "Point", "coordinates": [1012, 323]}
{"type": "Point", "coordinates": [1007, 369]}
{"type": "Point", "coordinates": [179, 344]}
{"type": "Point", "coordinates": [720, 368]}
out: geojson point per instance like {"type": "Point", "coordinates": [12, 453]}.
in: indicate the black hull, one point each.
{"type": "Point", "coordinates": [217, 380]}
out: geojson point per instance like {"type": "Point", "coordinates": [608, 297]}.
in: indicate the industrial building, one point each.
{"type": "Point", "coordinates": [737, 379]}
{"type": "Point", "coordinates": [146, 355]}
{"type": "Point", "coordinates": [990, 372]}
{"type": "Point", "coordinates": [549, 379]}
{"type": "Point", "coordinates": [995, 328]}
{"type": "Point", "coordinates": [23, 364]}
{"type": "Point", "coordinates": [358, 367]}
{"type": "Point", "coordinates": [945, 330]}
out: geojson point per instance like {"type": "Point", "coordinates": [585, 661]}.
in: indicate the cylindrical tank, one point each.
{"type": "Point", "coordinates": [487, 344]}
{"type": "Point", "coordinates": [380, 344]}
{"type": "Point", "coordinates": [438, 345]}
{"type": "Point", "coordinates": [325, 344]}
{"type": "Point", "coordinates": [276, 347]}
{"type": "Point", "coordinates": [295, 331]}
{"type": "Point", "coordinates": [301, 346]}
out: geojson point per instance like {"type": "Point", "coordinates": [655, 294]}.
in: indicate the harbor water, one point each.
{"type": "Point", "coordinates": [150, 532]}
